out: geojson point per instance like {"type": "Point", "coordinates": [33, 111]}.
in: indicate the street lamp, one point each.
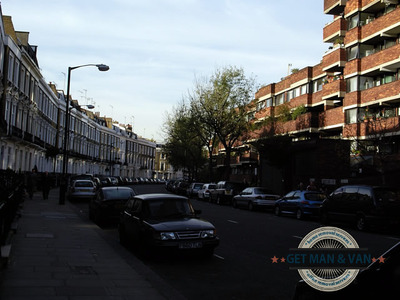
{"type": "Point", "coordinates": [63, 183]}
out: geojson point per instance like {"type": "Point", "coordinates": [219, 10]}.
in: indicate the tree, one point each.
{"type": "Point", "coordinates": [222, 107]}
{"type": "Point", "coordinates": [184, 147]}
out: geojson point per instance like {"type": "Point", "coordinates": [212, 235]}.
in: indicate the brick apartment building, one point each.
{"type": "Point", "coordinates": [338, 121]}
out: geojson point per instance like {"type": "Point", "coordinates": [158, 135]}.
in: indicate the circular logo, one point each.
{"type": "Point", "coordinates": [332, 279]}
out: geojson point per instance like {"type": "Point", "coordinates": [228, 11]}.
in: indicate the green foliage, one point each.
{"type": "Point", "coordinates": [299, 110]}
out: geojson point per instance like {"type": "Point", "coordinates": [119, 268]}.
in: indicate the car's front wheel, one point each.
{"type": "Point", "coordinates": [277, 211]}
{"type": "Point", "coordinates": [360, 223]}
{"type": "Point", "coordinates": [299, 214]}
{"type": "Point", "coordinates": [250, 206]}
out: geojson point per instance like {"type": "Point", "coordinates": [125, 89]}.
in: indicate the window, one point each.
{"type": "Point", "coordinates": [280, 99]}
{"type": "Point", "coordinates": [289, 95]}
{"type": "Point", "coordinates": [353, 21]}
{"type": "Point", "coordinates": [352, 84]}
{"type": "Point", "coordinates": [317, 85]}
{"type": "Point", "coordinates": [260, 105]}
{"type": "Point", "coordinates": [366, 83]}
{"type": "Point", "coordinates": [268, 102]}
{"type": "Point", "coordinates": [304, 89]}
{"type": "Point", "coordinates": [351, 116]}
{"type": "Point", "coordinates": [352, 53]}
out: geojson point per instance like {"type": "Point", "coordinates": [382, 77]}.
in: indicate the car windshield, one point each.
{"type": "Point", "coordinates": [169, 208]}
{"type": "Point", "coordinates": [314, 196]}
{"type": "Point", "coordinates": [117, 194]}
{"type": "Point", "coordinates": [83, 184]}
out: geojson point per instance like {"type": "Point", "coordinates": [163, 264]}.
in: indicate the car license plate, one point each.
{"type": "Point", "coordinates": [190, 245]}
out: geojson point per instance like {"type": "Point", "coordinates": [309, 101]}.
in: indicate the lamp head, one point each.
{"type": "Point", "coordinates": [103, 67]}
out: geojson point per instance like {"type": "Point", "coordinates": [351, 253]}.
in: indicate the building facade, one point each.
{"type": "Point", "coordinates": [337, 121]}
{"type": "Point", "coordinates": [32, 118]}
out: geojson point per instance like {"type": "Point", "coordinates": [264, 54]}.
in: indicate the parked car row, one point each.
{"type": "Point", "coordinates": [363, 206]}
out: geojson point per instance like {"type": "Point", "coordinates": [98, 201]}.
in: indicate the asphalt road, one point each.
{"type": "Point", "coordinates": [241, 267]}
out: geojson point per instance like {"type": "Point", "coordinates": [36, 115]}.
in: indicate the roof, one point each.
{"type": "Point", "coordinates": [150, 197]}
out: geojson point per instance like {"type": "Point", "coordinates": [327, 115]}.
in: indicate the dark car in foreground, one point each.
{"type": "Point", "coordinates": [380, 280]}
{"type": "Point", "coordinates": [108, 203]}
{"type": "Point", "coordinates": [255, 198]}
{"type": "Point", "coordinates": [300, 203]}
{"type": "Point", "coordinates": [363, 205]}
{"type": "Point", "coordinates": [166, 222]}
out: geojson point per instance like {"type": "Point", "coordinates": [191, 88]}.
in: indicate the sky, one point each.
{"type": "Point", "coordinates": [156, 48]}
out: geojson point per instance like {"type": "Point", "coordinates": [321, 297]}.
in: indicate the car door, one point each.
{"type": "Point", "coordinates": [284, 204]}
{"type": "Point", "coordinates": [242, 198]}
{"type": "Point", "coordinates": [132, 219]}
{"type": "Point", "coordinates": [293, 202]}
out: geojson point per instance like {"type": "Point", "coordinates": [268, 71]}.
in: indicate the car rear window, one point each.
{"type": "Point", "coordinates": [314, 196]}
{"type": "Point", "coordinates": [117, 194]}
{"type": "Point", "coordinates": [83, 184]}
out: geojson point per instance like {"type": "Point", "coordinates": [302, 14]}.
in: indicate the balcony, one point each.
{"type": "Point", "coordinates": [302, 123]}
{"type": "Point", "coordinates": [334, 7]}
{"type": "Point", "coordinates": [334, 30]}
{"type": "Point", "coordinates": [335, 60]}
{"type": "Point", "coordinates": [387, 60]}
{"type": "Point", "coordinates": [373, 128]}
{"type": "Point", "coordinates": [334, 89]}
{"type": "Point", "coordinates": [384, 26]}
{"type": "Point", "coordinates": [385, 93]}
{"type": "Point", "coordinates": [332, 118]}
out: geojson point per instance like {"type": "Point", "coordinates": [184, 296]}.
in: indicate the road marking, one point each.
{"type": "Point", "coordinates": [220, 257]}
{"type": "Point", "coordinates": [234, 222]}
{"type": "Point", "coordinates": [297, 237]}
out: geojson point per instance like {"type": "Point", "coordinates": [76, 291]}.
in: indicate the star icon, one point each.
{"type": "Point", "coordinates": [283, 260]}
{"type": "Point", "coordinates": [274, 259]}
{"type": "Point", "coordinates": [381, 260]}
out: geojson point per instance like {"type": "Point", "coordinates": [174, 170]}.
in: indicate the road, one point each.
{"type": "Point", "coordinates": [241, 267]}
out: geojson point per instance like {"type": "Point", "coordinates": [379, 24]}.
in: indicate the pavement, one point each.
{"type": "Point", "coordinates": [56, 253]}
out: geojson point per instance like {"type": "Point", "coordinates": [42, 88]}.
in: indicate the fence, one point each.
{"type": "Point", "coordinates": [12, 190]}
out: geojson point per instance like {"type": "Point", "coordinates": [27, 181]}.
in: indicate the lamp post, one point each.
{"type": "Point", "coordinates": [63, 183]}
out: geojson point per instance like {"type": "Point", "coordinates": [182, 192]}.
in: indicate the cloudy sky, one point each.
{"type": "Point", "coordinates": [156, 48]}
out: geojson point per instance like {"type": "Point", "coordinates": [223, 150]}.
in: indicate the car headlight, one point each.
{"type": "Point", "coordinates": [208, 233]}
{"type": "Point", "coordinates": [167, 236]}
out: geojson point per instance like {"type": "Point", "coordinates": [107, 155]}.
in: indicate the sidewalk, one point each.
{"type": "Point", "coordinates": [56, 254]}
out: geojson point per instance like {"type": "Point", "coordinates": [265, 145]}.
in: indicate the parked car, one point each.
{"type": "Point", "coordinates": [166, 221]}
{"type": "Point", "coordinates": [204, 192]}
{"type": "Point", "coordinates": [225, 191]}
{"type": "Point", "coordinates": [181, 187]}
{"type": "Point", "coordinates": [255, 198]}
{"type": "Point", "coordinates": [194, 188]}
{"type": "Point", "coordinates": [377, 281]}
{"type": "Point", "coordinates": [362, 205]}
{"type": "Point", "coordinates": [81, 189]}
{"type": "Point", "coordinates": [300, 203]}
{"type": "Point", "coordinates": [109, 202]}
